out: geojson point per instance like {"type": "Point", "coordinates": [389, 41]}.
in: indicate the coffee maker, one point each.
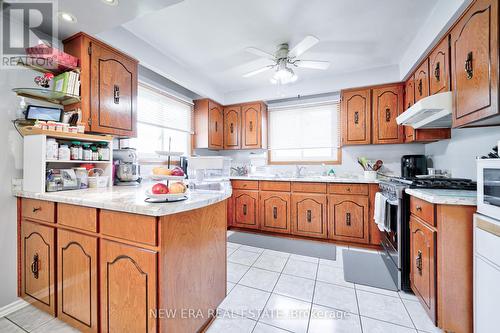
{"type": "Point", "coordinates": [413, 165]}
{"type": "Point", "coordinates": [126, 167]}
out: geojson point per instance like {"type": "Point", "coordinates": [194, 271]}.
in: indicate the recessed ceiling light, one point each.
{"type": "Point", "coordinates": [67, 17]}
{"type": "Point", "coordinates": [110, 2]}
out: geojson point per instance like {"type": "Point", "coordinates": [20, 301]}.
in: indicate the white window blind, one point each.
{"type": "Point", "coordinates": [308, 133]}
{"type": "Point", "coordinates": [161, 117]}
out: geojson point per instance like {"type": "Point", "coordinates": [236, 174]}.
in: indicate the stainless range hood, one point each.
{"type": "Point", "coordinates": [430, 112]}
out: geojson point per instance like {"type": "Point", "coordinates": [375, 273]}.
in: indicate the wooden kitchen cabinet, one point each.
{"type": "Point", "coordinates": [208, 124]}
{"type": "Point", "coordinates": [274, 208]}
{"type": "Point", "coordinates": [309, 215]}
{"type": "Point", "coordinates": [128, 288]}
{"type": "Point", "coordinates": [348, 218]}
{"type": "Point", "coordinates": [232, 127]}
{"type": "Point", "coordinates": [422, 81]}
{"type": "Point", "coordinates": [474, 66]}
{"type": "Point", "coordinates": [409, 92]}
{"type": "Point", "coordinates": [246, 214]}
{"type": "Point", "coordinates": [254, 126]}
{"type": "Point", "coordinates": [108, 86]}
{"type": "Point", "coordinates": [38, 265]}
{"type": "Point", "coordinates": [423, 264]}
{"type": "Point", "coordinates": [77, 280]}
{"type": "Point", "coordinates": [387, 104]}
{"type": "Point", "coordinates": [356, 116]}
{"type": "Point", "coordinates": [439, 68]}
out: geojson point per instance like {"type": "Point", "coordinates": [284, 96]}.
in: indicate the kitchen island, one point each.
{"type": "Point", "coordinates": [105, 260]}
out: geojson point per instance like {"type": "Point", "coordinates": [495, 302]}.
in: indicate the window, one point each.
{"type": "Point", "coordinates": [160, 118]}
{"type": "Point", "coordinates": [304, 134]}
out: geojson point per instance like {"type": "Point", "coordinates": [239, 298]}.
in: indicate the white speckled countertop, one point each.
{"type": "Point", "coordinates": [445, 197]}
{"type": "Point", "coordinates": [314, 179]}
{"type": "Point", "coordinates": [129, 199]}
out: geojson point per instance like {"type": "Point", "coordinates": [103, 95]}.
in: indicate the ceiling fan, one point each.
{"type": "Point", "coordinates": [285, 58]}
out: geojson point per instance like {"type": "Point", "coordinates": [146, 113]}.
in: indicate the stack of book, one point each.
{"type": "Point", "coordinates": [68, 83]}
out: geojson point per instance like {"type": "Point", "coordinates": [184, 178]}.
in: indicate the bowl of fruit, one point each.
{"type": "Point", "coordinates": [161, 192]}
{"type": "Point", "coordinates": [163, 173]}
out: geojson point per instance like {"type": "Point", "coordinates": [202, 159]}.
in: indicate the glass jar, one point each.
{"type": "Point", "coordinates": [87, 153]}
{"type": "Point", "coordinates": [95, 154]}
{"type": "Point", "coordinates": [52, 150]}
{"type": "Point", "coordinates": [103, 151]}
{"type": "Point", "coordinates": [75, 150]}
{"type": "Point", "coordinates": [64, 153]}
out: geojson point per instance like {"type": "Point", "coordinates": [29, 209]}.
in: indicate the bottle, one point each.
{"type": "Point", "coordinates": [103, 151]}
{"type": "Point", "coordinates": [75, 148]}
{"type": "Point", "coordinates": [52, 150]}
{"type": "Point", "coordinates": [95, 154]}
{"type": "Point", "coordinates": [64, 153]}
{"type": "Point", "coordinates": [87, 153]}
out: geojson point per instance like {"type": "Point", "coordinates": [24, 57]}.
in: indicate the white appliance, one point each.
{"type": "Point", "coordinates": [488, 187]}
{"type": "Point", "coordinates": [430, 112]}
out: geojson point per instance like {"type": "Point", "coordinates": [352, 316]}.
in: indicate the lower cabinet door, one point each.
{"type": "Point", "coordinates": [246, 209]}
{"type": "Point", "coordinates": [308, 215]}
{"type": "Point", "coordinates": [275, 211]}
{"type": "Point", "coordinates": [128, 288]}
{"type": "Point", "coordinates": [348, 218]}
{"type": "Point", "coordinates": [37, 265]}
{"type": "Point", "coordinates": [77, 280]}
{"type": "Point", "coordinates": [423, 264]}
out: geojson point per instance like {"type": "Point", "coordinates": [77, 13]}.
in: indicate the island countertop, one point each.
{"type": "Point", "coordinates": [129, 199]}
{"type": "Point", "coordinates": [445, 197]}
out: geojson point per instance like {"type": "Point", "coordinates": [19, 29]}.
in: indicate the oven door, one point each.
{"type": "Point", "coordinates": [488, 187]}
{"type": "Point", "coordinates": [390, 241]}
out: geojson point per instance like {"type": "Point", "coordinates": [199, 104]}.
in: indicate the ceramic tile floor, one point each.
{"type": "Point", "coordinates": [277, 292]}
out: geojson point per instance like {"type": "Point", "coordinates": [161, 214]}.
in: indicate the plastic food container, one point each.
{"type": "Point", "coordinates": [96, 178]}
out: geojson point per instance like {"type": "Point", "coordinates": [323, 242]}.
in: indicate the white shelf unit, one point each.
{"type": "Point", "coordinates": [35, 162]}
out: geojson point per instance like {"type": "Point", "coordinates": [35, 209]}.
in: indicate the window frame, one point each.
{"type": "Point", "coordinates": [338, 161]}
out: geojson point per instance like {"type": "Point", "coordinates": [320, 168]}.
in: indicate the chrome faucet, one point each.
{"type": "Point", "coordinates": [298, 171]}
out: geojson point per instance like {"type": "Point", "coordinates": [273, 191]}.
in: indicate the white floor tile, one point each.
{"type": "Point", "coordinates": [333, 321]}
{"type": "Point", "coordinates": [55, 326]}
{"type": "Point", "coordinates": [233, 245]}
{"type": "Point", "coordinates": [8, 327]}
{"type": "Point", "coordinates": [301, 268]}
{"type": "Point", "coordinates": [287, 313]}
{"type": "Point", "coordinates": [377, 290]}
{"type": "Point", "coordinates": [335, 296]}
{"type": "Point", "coordinates": [408, 295]}
{"type": "Point", "coordinates": [229, 287]}
{"type": "Point", "coordinates": [264, 328]}
{"type": "Point", "coordinates": [304, 258]}
{"type": "Point", "coordinates": [332, 274]}
{"type": "Point", "coordinates": [295, 287]}
{"type": "Point", "coordinates": [230, 251]}
{"type": "Point", "coordinates": [229, 233]}
{"type": "Point", "coordinates": [260, 279]}
{"type": "Point", "coordinates": [252, 248]}
{"type": "Point", "coordinates": [235, 272]}
{"type": "Point", "coordinates": [376, 326]}
{"type": "Point", "coordinates": [420, 317]}
{"type": "Point", "coordinates": [29, 318]}
{"type": "Point", "coordinates": [272, 263]}
{"type": "Point", "coordinates": [231, 325]}
{"type": "Point", "coordinates": [383, 307]}
{"type": "Point", "coordinates": [276, 253]}
{"type": "Point", "coordinates": [245, 302]}
{"type": "Point", "coordinates": [243, 257]}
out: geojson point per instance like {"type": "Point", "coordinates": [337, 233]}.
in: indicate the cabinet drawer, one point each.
{"type": "Point", "coordinates": [245, 184]}
{"type": "Point", "coordinates": [361, 189]}
{"type": "Point", "coordinates": [309, 187]}
{"type": "Point", "coordinates": [274, 186]}
{"type": "Point", "coordinates": [423, 209]}
{"type": "Point", "coordinates": [39, 210]}
{"type": "Point", "coordinates": [131, 227]}
{"type": "Point", "coordinates": [78, 217]}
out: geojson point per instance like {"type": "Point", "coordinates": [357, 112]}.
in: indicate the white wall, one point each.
{"type": "Point", "coordinates": [459, 153]}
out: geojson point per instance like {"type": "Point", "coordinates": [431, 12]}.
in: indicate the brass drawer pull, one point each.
{"type": "Point", "coordinates": [35, 266]}
{"type": "Point", "coordinates": [36, 209]}
{"type": "Point", "coordinates": [418, 262]}
{"type": "Point", "coordinates": [348, 219]}
{"type": "Point", "coordinates": [309, 216]}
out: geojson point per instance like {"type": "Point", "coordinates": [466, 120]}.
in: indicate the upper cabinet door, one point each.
{"type": "Point", "coordinates": [439, 68]}
{"type": "Point", "coordinates": [474, 64]}
{"type": "Point", "coordinates": [356, 117]}
{"type": "Point", "coordinates": [215, 126]}
{"type": "Point", "coordinates": [113, 98]}
{"type": "Point", "coordinates": [409, 92]}
{"type": "Point", "coordinates": [251, 128]}
{"type": "Point", "coordinates": [387, 105]}
{"type": "Point", "coordinates": [232, 127]}
{"type": "Point", "coordinates": [422, 81]}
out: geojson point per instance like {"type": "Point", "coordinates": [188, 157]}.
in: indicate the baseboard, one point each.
{"type": "Point", "coordinates": [12, 307]}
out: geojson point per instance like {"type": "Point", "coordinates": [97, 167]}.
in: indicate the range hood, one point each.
{"type": "Point", "coordinates": [430, 112]}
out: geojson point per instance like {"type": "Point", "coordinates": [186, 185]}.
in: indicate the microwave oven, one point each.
{"type": "Point", "coordinates": [488, 187]}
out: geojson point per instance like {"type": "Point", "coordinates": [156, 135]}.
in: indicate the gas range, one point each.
{"type": "Point", "coordinates": [395, 185]}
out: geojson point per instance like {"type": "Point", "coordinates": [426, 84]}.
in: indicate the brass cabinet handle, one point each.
{"type": "Point", "coordinates": [348, 219]}
{"type": "Point", "coordinates": [420, 87]}
{"type": "Point", "coordinates": [418, 262]}
{"type": "Point", "coordinates": [244, 209]}
{"type": "Point", "coordinates": [35, 266]}
{"type": "Point", "coordinates": [231, 128]}
{"type": "Point", "coordinates": [309, 216]}
{"type": "Point", "coordinates": [251, 126]}
{"type": "Point", "coordinates": [469, 70]}
{"type": "Point", "coordinates": [116, 94]}
{"type": "Point", "coordinates": [419, 209]}
{"type": "Point", "coordinates": [387, 114]}
{"type": "Point", "coordinates": [356, 117]}
{"type": "Point", "coordinates": [437, 72]}
{"type": "Point", "coordinates": [36, 209]}
{"type": "Point", "coordinates": [275, 213]}
{"type": "Point", "coordinates": [216, 126]}
{"type": "Point", "coordinates": [348, 189]}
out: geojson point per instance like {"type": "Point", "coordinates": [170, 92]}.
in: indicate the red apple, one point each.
{"type": "Point", "coordinates": [159, 189]}
{"type": "Point", "coordinates": [177, 172]}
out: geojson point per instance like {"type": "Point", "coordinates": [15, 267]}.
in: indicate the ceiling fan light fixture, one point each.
{"type": "Point", "coordinates": [283, 74]}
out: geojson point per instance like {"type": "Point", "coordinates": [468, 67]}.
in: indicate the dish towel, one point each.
{"type": "Point", "coordinates": [380, 211]}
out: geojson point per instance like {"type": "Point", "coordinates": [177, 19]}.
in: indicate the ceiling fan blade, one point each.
{"type": "Point", "coordinates": [314, 64]}
{"type": "Point", "coordinates": [303, 46]}
{"type": "Point", "coordinates": [259, 52]}
{"type": "Point", "coordinates": [258, 71]}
